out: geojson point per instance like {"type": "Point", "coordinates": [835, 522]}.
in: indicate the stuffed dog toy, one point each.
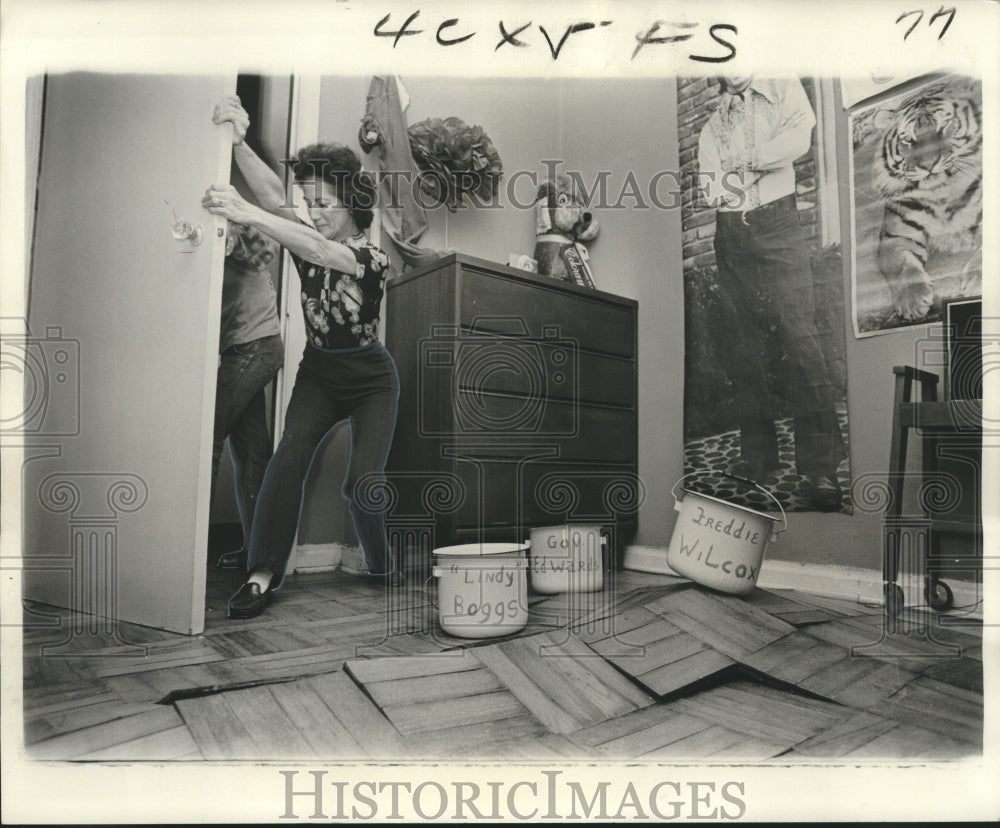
{"type": "Point", "coordinates": [562, 226]}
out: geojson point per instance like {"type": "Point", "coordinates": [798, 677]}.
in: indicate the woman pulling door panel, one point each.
{"type": "Point", "coordinates": [345, 372]}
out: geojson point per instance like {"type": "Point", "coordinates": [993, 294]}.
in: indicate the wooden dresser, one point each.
{"type": "Point", "coordinates": [518, 407]}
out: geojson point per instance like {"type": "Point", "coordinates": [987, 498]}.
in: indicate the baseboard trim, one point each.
{"type": "Point", "coordinates": [323, 557]}
{"type": "Point", "coordinates": [850, 583]}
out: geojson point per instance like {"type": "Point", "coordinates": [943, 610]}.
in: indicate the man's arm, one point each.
{"type": "Point", "coordinates": [718, 177]}
{"type": "Point", "coordinates": [794, 134]}
{"type": "Point", "coordinates": [267, 187]}
{"type": "Point", "coordinates": [709, 168]}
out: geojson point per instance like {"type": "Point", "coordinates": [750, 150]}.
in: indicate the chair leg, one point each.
{"type": "Point", "coordinates": [891, 537]}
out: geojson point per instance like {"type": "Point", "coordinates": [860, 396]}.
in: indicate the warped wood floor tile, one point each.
{"type": "Point", "coordinates": [656, 653]}
{"type": "Point", "coordinates": [870, 736]}
{"type": "Point", "coordinates": [650, 668]}
{"type": "Point", "coordinates": [662, 732]}
{"type": "Point", "coordinates": [116, 725]}
{"type": "Point", "coordinates": [444, 702]}
{"type": "Point", "coordinates": [725, 623]}
{"type": "Point", "coordinates": [323, 716]}
{"type": "Point", "coordinates": [561, 681]}
{"type": "Point", "coordinates": [772, 716]}
{"type": "Point", "coordinates": [783, 604]}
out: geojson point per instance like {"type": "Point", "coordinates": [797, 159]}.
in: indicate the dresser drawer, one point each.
{"type": "Point", "coordinates": [527, 368]}
{"type": "Point", "coordinates": [499, 304]}
{"type": "Point", "coordinates": [578, 432]}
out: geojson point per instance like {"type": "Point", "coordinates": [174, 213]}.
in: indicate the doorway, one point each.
{"type": "Point", "coordinates": [268, 101]}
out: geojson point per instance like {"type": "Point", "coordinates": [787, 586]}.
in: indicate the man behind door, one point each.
{"type": "Point", "coordinates": [745, 155]}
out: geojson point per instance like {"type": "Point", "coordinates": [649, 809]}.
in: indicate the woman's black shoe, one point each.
{"type": "Point", "coordinates": [237, 559]}
{"type": "Point", "coordinates": [248, 601]}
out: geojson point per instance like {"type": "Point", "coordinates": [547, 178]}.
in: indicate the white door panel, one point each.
{"type": "Point", "coordinates": [117, 523]}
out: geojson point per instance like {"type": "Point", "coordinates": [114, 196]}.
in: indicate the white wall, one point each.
{"type": "Point", "coordinates": [622, 126]}
{"type": "Point", "coordinates": [590, 126]}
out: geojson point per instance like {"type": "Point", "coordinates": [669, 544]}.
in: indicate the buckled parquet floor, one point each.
{"type": "Point", "coordinates": [649, 667]}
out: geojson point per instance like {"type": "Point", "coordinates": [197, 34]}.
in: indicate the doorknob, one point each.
{"type": "Point", "coordinates": [184, 230]}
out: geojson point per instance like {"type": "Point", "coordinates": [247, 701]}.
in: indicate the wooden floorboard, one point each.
{"type": "Point", "coordinates": [424, 689]}
{"type": "Point", "coordinates": [763, 713]}
{"type": "Point", "coordinates": [723, 622]}
{"type": "Point", "coordinates": [482, 740]}
{"type": "Point", "coordinates": [403, 667]}
{"type": "Point", "coordinates": [316, 722]}
{"type": "Point", "coordinates": [783, 604]}
{"type": "Point", "coordinates": [272, 731]}
{"type": "Point", "coordinates": [795, 657]}
{"type": "Point", "coordinates": [844, 737]}
{"type": "Point", "coordinates": [535, 698]}
{"type": "Point", "coordinates": [155, 685]}
{"type": "Point", "coordinates": [561, 683]}
{"type": "Point", "coordinates": [41, 673]}
{"type": "Point", "coordinates": [650, 668]}
{"type": "Point", "coordinates": [166, 745]}
{"type": "Point", "coordinates": [698, 667]}
{"type": "Point", "coordinates": [936, 706]}
{"type": "Point", "coordinates": [662, 666]}
{"type": "Point", "coordinates": [439, 714]}
{"type": "Point", "coordinates": [964, 673]}
{"type": "Point", "coordinates": [159, 655]}
{"type": "Point", "coordinates": [637, 733]}
{"type": "Point", "coordinates": [358, 714]}
{"type": "Point", "coordinates": [629, 595]}
{"type": "Point", "coordinates": [842, 606]}
{"type": "Point", "coordinates": [52, 698]}
{"type": "Point", "coordinates": [615, 625]}
{"type": "Point", "coordinates": [264, 640]}
{"type": "Point", "coordinates": [38, 727]}
{"type": "Point", "coordinates": [915, 743]}
{"type": "Point", "coordinates": [914, 650]}
{"type": "Point", "coordinates": [116, 731]}
{"type": "Point", "coordinates": [552, 747]}
{"type": "Point", "coordinates": [860, 683]}
{"type": "Point", "coordinates": [216, 728]}
{"type": "Point", "coordinates": [435, 692]}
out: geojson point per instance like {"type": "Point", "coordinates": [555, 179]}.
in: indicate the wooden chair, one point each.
{"type": "Point", "coordinates": [935, 419]}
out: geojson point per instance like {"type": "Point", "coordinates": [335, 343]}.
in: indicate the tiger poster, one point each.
{"type": "Point", "coordinates": [916, 206]}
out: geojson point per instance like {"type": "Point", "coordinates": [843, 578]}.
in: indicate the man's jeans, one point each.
{"type": "Point", "coordinates": [767, 289]}
{"type": "Point", "coordinates": [241, 415]}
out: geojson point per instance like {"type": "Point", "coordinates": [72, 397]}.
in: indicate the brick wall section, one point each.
{"type": "Point", "coordinates": [696, 99]}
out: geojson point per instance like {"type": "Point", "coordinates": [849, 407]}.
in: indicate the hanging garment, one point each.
{"type": "Point", "coordinates": [384, 136]}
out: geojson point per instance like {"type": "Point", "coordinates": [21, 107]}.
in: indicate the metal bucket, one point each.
{"type": "Point", "coordinates": [718, 544]}
{"type": "Point", "coordinates": [482, 589]}
{"type": "Point", "coordinates": [568, 558]}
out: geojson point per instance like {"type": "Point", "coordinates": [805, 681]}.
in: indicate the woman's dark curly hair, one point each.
{"type": "Point", "coordinates": [340, 167]}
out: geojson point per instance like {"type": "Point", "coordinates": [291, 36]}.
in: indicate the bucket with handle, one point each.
{"type": "Point", "coordinates": [482, 588]}
{"type": "Point", "coordinates": [718, 544]}
{"type": "Point", "coordinates": [568, 558]}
